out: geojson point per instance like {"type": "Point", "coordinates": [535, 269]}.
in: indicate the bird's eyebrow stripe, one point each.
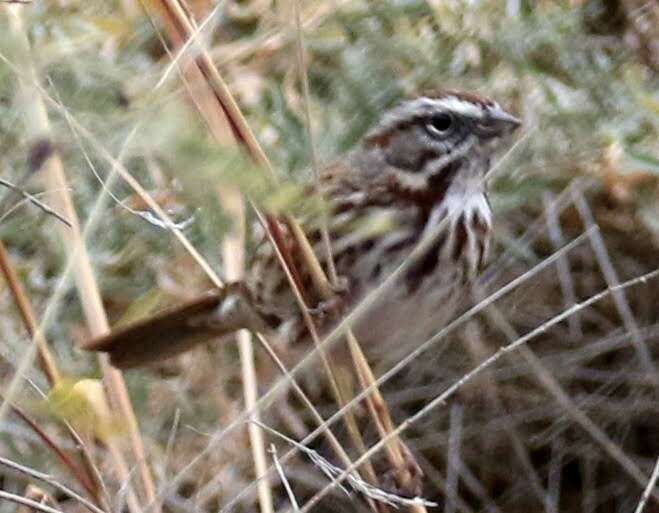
{"type": "Point", "coordinates": [428, 105]}
{"type": "Point", "coordinates": [463, 107]}
{"type": "Point", "coordinates": [423, 107]}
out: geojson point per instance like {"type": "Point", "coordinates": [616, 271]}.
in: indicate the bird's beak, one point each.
{"type": "Point", "coordinates": [503, 121]}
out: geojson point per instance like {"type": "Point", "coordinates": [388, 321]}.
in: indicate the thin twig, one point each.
{"type": "Point", "coordinates": [619, 297]}
{"type": "Point", "coordinates": [379, 411]}
{"type": "Point", "coordinates": [341, 329]}
{"type": "Point", "coordinates": [551, 385]}
{"type": "Point", "coordinates": [22, 302]}
{"type": "Point", "coordinates": [40, 204]}
{"type": "Point", "coordinates": [351, 423]}
{"type": "Point", "coordinates": [51, 481]}
{"type": "Point", "coordinates": [62, 456]}
{"type": "Point", "coordinates": [358, 485]}
{"type": "Point", "coordinates": [284, 481]}
{"type": "Point", "coordinates": [453, 459]}
{"type": "Point", "coordinates": [562, 265]}
{"type": "Point", "coordinates": [451, 390]}
{"type": "Point", "coordinates": [304, 79]}
{"type": "Point", "coordinates": [74, 239]}
{"type": "Point", "coordinates": [652, 482]}
{"type": "Point", "coordinates": [28, 502]}
{"type": "Point", "coordinates": [117, 168]}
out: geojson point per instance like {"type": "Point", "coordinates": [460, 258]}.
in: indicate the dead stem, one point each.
{"type": "Point", "coordinates": [342, 328]}
{"type": "Point", "coordinates": [233, 257]}
{"type": "Point", "coordinates": [612, 280]}
{"type": "Point", "coordinates": [17, 467]}
{"type": "Point", "coordinates": [377, 406]}
{"type": "Point", "coordinates": [544, 377]}
{"type": "Point", "coordinates": [46, 361]}
{"type": "Point", "coordinates": [442, 398]}
{"type": "Point", "coordinates": [34, 505]}
{"type": "Point", "coordinates": [39, 204]}
{"type": "Point", "coordinates": [118, 168]}
{"type": "Point", "coordinates": [38, 123]}
{"type": "Point", "coordinates": [244, 135]}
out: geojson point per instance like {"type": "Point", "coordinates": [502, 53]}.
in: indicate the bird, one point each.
{"type": "Point", "coordinates": [421, 168]}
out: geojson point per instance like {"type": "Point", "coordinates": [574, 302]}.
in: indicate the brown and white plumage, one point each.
{"type": "Point", "coordinates": [422, 166]}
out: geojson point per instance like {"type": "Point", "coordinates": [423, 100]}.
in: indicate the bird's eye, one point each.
{"type": "Point", "coordinates": [439, 124]}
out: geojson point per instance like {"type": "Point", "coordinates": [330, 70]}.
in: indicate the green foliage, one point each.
{"type": "Point", "coordinates": [569, 72]}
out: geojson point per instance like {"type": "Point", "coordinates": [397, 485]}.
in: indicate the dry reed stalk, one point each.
{"type": "Point", "coordinates": [38, 124]}
{"type": "Point", "coordinates": [62, 456]}
{"type": "Point", "coordinates": [441, 399]}
{"type": "Point", "coordinates": [36, 494]}
{"type": "Point", "coordinates": [177, 20]}
{"type": "Point", "coordinates": [46, 360]}
{"type": "Point", "coordinates": [232, 244]}
{"type": "Point", "coordinates": [328, 366]}
{"type": "Point", "coordinates": [400, 458]}
{"type": "Point", "coordinates": [489, 387]}
{"type": "Point", "coordinates": [176, 15]}
{"type": "Point", "coordinates": [47, 363]}
{"type": "Point", "coordinates": [612, 280]}
{"type": "Point", "coordinates": [28, 503]}
{"type": "Point", "coordinates": [339, 397]}
{"type": "Point", "coordinates": [340, 330]}
{"type": "Point", "coordinates": [545, 378]}
{"type": "Point", "coordinates": [119, 168]}
{"type": "Point", "coordinates": [377, 406]}
{"type": "Point", "coordinates": [233, 254]}
{"type": "Point", "coordinates": [40, 476]}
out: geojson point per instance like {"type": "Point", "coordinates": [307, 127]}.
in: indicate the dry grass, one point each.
{"type": "Point", "coordinates": [541, 395]}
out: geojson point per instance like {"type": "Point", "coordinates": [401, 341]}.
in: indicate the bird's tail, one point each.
{"type": "Point", "coordinates": [176, 330]}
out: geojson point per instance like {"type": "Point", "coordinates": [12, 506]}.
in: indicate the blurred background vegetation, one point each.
{"type": "Point", "coordinates": [582, 74]}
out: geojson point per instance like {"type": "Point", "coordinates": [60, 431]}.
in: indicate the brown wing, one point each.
{"type": "Point", "coordinates": [166, 334]}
